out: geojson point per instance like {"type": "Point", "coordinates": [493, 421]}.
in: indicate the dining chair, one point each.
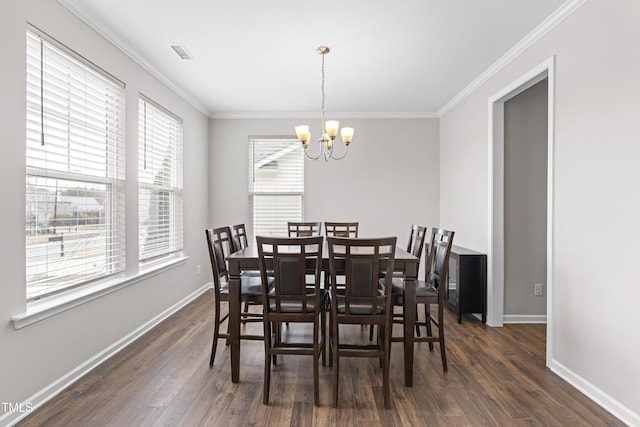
{"type": "Point", "coordinates": [219, 242]}
{"type": "Point", "coordinates": [366, 263]}
{"type": "Point", "coordinates": [304, 229]}
{"type": "Point", "coordinates": [239, 232]}
{"type": "Point", "coordinates": [417, 235]}
{"type": "Point", "coordinates": [240, 241]}
{"type": "Point", "coordinates": [341, 229]}
{"type": "Point", "coordinates": [291, 300]}
{"type": "Point", "coordinates": [431, 290]}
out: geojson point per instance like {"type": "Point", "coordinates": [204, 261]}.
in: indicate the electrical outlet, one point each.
{"type": "Point", "coordinates": [537, 289]}
{"type": "Point", "coordinates": [198, 269]}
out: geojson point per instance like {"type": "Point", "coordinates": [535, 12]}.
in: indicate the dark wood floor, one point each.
{"type": "Point", "coordinates": [496, 377]}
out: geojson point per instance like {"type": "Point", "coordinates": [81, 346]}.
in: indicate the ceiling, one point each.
{"type": "Point", "coordinates": [256, 58]}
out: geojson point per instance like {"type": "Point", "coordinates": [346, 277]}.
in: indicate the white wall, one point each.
{"type": "Point", "coordinates": [35, 356]}
{"type": "Point", "coordinates": [596, 203]}
{"type": "Point", "coordinates": [388, 181]}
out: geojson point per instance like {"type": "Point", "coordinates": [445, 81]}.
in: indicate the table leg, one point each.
{"type": "Point", "coordinates": [409, 310]}
{"type": "Point", "coordinates": [234, 325]}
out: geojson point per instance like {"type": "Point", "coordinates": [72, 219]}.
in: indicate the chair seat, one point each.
{"type": "Point", "coordinates": [295, 306]}
{"type": "Point", "coordinates": [423, 289]}
{"type": "Point", "coordinates": [254, 273]}
{"type": "Point", "coordinates": [360, 308]}
{"type": "Point", "coordinates": [249, 285]}
{"type": "Point", "coordinates": [397, 286]}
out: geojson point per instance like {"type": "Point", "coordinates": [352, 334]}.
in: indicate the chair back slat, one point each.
{"type": "Point", "coordinates": [239, 237]}
{"type": "Point", "coordinates": [291, 260]}
{"type": "Point", "coordinates": [362, 275]}
{"type": "Point", "coordinates": [341, 229]}
{"type": "Point", "coordinates": [364, 262]}
{"type": "Point", "coordinates": [304, 229]}
{"type": "Point", "coordinates": [220, 245]}
{"type": "Point", "coordinates": [417, 237]}
{"type": "Point", "coordinates": [438, 252]}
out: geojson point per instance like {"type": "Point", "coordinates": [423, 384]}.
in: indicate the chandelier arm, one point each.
{"type": "Point", "coordinates": [346, 150]}
{"type": "Point", "coordinates": [327, 152]}
{"type": "Point", "coordinates": [313, 157]}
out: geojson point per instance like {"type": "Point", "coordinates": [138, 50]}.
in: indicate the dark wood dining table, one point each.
{"type": "Point", "coordinates": [247, 260]}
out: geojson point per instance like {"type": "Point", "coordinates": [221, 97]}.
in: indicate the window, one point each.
{"type": "Point", "coordinates": [159, 182]}
{"type": "Point", "coordinates": [276, 184]}
{"type": "Point", "coordinates": [74, 213]}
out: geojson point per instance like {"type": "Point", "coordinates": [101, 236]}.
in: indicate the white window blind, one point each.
{"type": "Point", "coordinates": [159, 181]}
{"type": "Point", "coordinates": [276, 184]}
{"type": "Point", "coordinates": [74, 169]}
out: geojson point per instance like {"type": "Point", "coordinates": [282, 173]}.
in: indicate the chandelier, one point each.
{"type": "Point", "coordinates": [328, 129]}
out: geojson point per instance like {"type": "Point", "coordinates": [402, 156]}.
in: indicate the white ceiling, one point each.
{"type": "Point", "coordinates": [257, 58]}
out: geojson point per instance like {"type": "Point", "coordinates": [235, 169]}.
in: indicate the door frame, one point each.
{"type": "Point", "coordinates": [495, 255]}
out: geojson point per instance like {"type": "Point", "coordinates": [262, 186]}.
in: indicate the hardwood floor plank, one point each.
{"type": "Point", "coordinates": [496, 377]}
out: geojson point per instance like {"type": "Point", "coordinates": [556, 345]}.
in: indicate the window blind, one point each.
{"type": "Point", "coordinates": [74, 169]}
{"type": "Point", "coordinates": [160, 207]}
{"type": "Point", "coordinates": [276, 184]}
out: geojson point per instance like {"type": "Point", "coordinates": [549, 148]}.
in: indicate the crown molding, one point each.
{"type": "Point", "coordinates": [93, 22]}
{"type": "Point", "coordinates": [316, 115]}
{"type": "Point", "coordinates": [540, 31]}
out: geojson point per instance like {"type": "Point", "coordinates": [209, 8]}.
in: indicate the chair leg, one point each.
{"type": "Point", "coordinates": [385, 368]}
{"type": "Point", "coordinates": [417, 320]}
{"type": "Point", "coordinates": [381, 341]}
{"type": "Point", "coordinates": [216, 332]}
{"type": "Point", "coordinates": [330, 340]}
{"type": "Point", "coordinates": [323, 337]}
{"type": "Point", "coordinates": [246, 310]}
{"type": "Point", "coordinates": [443, 352]}
{"type": "Point", "coordinates": [428, 320]}
{"type": "Point", "coordinates": [316, 375]}
{"type": "Point", "coordinates": [336, 362]}
{"type": "Point", "coordinates": [267, 362]}
{"type": "Point", "coordinates": [227, 341]}
{"type": "Point", "coordinates": [276, 338]}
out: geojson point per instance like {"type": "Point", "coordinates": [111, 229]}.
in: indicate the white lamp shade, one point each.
{"type": "Point", "coordinates": [332, 127]}
{"type": "Point", "coordinates": [302, 132]}
{"type": "Point", "coordinates": [347, 135]}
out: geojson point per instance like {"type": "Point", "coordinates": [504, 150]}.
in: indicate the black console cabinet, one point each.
{"type": "Point", "coordinates": [466, 286]}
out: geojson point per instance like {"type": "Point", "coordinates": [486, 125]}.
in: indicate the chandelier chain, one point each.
{"type": "Point", "coordinates": [322, 128]}
{"type": "Point", "coordinates": [328, 130]}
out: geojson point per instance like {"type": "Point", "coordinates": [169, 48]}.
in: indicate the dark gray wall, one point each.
{"type": "Point", "coordinates": [525, 187]}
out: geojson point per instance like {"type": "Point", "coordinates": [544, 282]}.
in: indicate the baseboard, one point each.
{"type": "Point", "coordinates": [617, 409]}
{"type": "Point", "coordinates": [524, 318]}
{"type": "Point", "coordinates": [53, 389]}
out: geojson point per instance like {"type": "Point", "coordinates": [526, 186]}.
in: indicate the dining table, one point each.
{"type": "Point", "coordinates": [247, 260]}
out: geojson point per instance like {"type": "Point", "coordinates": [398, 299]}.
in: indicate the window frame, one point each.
{"type": "Point", "coordinates": [63, 144]}
{"type": "Point", "coordinates": [157, 126]}
{"type": "Point", "coordinates": [281, 191]}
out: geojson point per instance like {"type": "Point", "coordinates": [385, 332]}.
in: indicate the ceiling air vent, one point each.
{"type": "Point", "coordinates": [181, 51]}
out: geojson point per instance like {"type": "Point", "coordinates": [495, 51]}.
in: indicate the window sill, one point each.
{"type": "Point", "coordinates": [47, 307]}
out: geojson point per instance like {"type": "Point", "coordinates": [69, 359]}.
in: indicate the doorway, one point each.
{"type": "Point", "coordinates": [496, 203]}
